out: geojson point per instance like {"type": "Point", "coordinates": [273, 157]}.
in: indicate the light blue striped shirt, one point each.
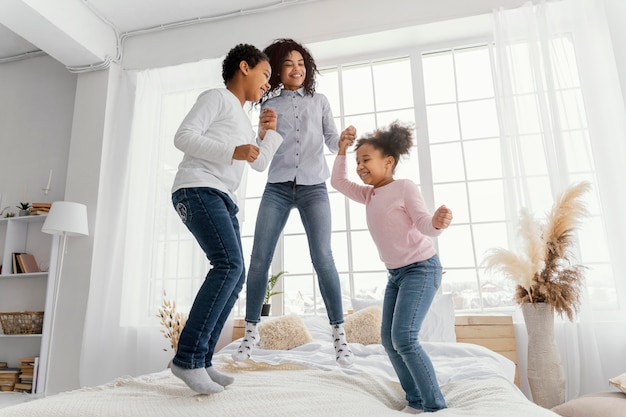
{"type": "Point", "coordinates": [306, 123]}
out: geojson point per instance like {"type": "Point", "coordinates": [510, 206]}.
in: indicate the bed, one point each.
{"type": "Point", "coordinates": [293, 373]}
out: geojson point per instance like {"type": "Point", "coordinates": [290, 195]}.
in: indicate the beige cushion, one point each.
{"type": "Point", "coordinates": [620, 382]}
{"type": "Point", "coordinates": [602, 404]}
{"type": "Point", "coordinates": [283, 333]}
{"type": "Point", "coordinates": [364, 326]}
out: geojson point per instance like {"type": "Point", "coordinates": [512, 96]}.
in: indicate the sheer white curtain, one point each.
{"type": "Point", "coordinates": [122, 334]}
{"type": "Point", "coordinates": [542, 51]}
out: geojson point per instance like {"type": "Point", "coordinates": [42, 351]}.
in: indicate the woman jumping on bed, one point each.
{"type": "Point", "coordinates": [400, 225]}
{"type": "Point", "coordinates": [296, 179]}
{"type": "Point", "coordinates": [217, 139]}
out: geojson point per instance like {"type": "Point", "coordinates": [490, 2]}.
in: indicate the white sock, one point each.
{"type": "Point", "coordinates": [219, 377]}
{"type": "Point", "coordinates": [197, 379]}
{"type": "Point", "coordinates": [411, 410]}
{"type": "Point", "coordinates": [250, 338]}
{"type": "Point", "coordinates": [343, 353]}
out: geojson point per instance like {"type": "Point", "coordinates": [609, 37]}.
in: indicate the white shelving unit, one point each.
{"type": "Point", "coordinates": [27, 291]}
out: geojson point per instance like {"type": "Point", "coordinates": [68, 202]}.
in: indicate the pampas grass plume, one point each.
{"type": "Point", "coordinates": [543, 271]}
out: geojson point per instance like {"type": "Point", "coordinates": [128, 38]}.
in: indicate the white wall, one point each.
{"type": "Point", "coordinates": [50, 118]}
{"type": "Point", "coordinates": [36, 106]}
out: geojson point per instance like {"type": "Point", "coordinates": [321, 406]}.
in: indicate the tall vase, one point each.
{"type": "Point", "coordinates": [545, 372]}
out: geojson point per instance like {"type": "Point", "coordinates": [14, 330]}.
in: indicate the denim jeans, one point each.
{"type": "Point", "coordinates": [210, 215]}
{"type": "Point", "coordinates": [408, 296]}
{"type": "Point", "coordinates": [276, 204]}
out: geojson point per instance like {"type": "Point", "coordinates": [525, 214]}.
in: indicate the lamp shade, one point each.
{"type": "Point", "coordinates": [66, 217]}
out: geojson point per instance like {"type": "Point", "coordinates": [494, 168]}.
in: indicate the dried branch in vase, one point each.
{"type": "Point", "coordinates": [544, 270]}
{"type": "Point", "coordinates": [172, 321]}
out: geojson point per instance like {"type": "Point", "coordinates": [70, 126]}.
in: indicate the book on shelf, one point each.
{"type": "Point", "coordinates": [22, 387]}
{"type": "Point", "coordinates": [35, 374]}
{"type": "Point", "coordinates": [40, 208]}
{"type": "Point", "coordinates": [16, 265]}
{"type": "Point", "coordinates": [3, 365]}
{"type": "Point", "coordinates": [27, 263]}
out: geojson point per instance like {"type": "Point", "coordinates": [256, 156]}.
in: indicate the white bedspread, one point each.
{"type": "Point", "coordinates": [303, 382]}
{"type": "Point", "coordinates": [306, 393]}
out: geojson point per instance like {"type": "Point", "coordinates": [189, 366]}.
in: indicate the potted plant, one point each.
{"type": "Point", "coordinates": [24, 209]}
{"type": "Point", "coordinates": [547, 282]}
{"type": "Point", "coordinates": [269, 293]}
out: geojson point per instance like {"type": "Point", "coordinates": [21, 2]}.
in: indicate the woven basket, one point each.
{"type": "Point", "coordinates": [26, 322]}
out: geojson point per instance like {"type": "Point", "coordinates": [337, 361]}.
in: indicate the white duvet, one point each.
{"type": "Point", "coordinates": [303, 382]}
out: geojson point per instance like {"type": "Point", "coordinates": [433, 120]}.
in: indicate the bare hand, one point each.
{"type": "Point", "coordinates": [267, 121]}
{"type": "Point", "coordinates": [246, 153]}
{"type": "Point", "coordinates": [442, 218]}
{"type": "Point", "coordinates": [346, 139]}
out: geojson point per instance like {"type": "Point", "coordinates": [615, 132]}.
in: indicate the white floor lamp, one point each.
{"type": "Point", "coordinates": [64, 219]}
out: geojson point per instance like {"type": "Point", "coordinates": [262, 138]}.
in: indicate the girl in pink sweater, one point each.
{"type": "Point", "coordinates": [401, 227]}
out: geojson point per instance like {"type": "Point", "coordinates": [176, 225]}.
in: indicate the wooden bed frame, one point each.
{"type": "Point", "coordinates": [494, 332]}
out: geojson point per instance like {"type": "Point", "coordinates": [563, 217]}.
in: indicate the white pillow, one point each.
{"type": "Point", "coordinates": [361, 303]}
{"type": "Point", "coordinates": [438, 324]}
{"type": "Point", "coordinates": [619, 382]}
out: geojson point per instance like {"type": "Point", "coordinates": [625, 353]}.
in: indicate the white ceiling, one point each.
{"type": "Point", "coordinates": [122, 16]}
{"type": "Point", "coordinates": [89, 34]}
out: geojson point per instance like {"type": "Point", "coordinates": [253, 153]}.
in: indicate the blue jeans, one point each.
{"type": "Point", "coordinates": [210, 215]}
{"type": "Point", "coordinates": [276, 204]}
{"type": "Point", "coordinates": [408, 296]}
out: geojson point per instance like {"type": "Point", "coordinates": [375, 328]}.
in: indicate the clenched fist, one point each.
{"type": "Point", "coordinates": [442, 217]}
{"type": "Point", "coordinates": [267, 121]}
{"type": "Point", "coordinates": [246, 153]}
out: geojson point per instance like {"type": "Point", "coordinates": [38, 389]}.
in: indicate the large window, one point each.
{"type": "Point", "coordinates": [458, 160]}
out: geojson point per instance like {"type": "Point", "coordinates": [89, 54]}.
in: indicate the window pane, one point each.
{"type": "Point", "coordinates": [533, 155]}
{"type": "Point", "coordinates": [390, 84]}
{"type": "Point", "coordinates": [473, 69]}
{"type": "Point", "coordinates": [439, 82]}
{"type": "Point", "coordinates": [463, 286]}
{"type": "Point", "coordinates": [365, 253]}
{"type": "Point", "coordinates": [456, 249]}
{"type": "Point", "coordinates": [297, 259]}
{"type": "Point", "coordinates": [408, 167]}
{"type": "Point", "coordinates": [571, 109]}
{"type": "Point", "coordinates": [527, 114]}
{"type": "Point", "coordinates": [447, 162]}
{"type": "Point", "coordinates": [453, 196]}
{"type": "Point", "coordinates": [370, 285]}
{"type": "Point", "coordinates": [488, 236]}
{"type": "Point", "coordinates": [483, 159]}
{"type": "Point", "coordinates": [299, 294]}
{"type": "Point", "coordinates": [442, 123]}
{"type": "Point", "coordinates": [248, 223]}
{"type": "Point", "coordinates": [478, 119]}
{"type": "Point", "coordinates": [339, 245]}
{"type": "Point", "coordinates": [357, 215]}
{"type": "Point", "coordinates": [405, 116]}
{"type": "Point", "coordinates": [328, 84]}
{"type": "Point", "coordinates": [255, 183]}
{"type": "Point", "coordinates": [294, 223]}
{"type": "Point", "coordinates": [358, 95]}
{"type": "Point", "coordinates": [363, 123]}
{"type": "Point", "coordinates": [578, 153]}
{"type": "Point", "coordinates": [487, 201]}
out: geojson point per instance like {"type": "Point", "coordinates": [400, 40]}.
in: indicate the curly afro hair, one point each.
{"type": "Point", "coordinates": [395, 140]}
{"type": "Point", "coordinates": [278, 52]}
{"type": "Point", "coordinates": [242, 52]}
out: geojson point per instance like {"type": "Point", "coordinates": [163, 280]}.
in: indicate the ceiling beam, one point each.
{"type": "Point", "coordinates": [67, 30]}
